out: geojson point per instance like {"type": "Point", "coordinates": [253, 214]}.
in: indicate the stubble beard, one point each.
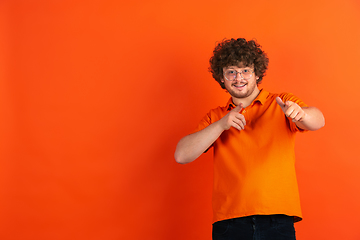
{"type": "Point", "coordinates": [237, 94]}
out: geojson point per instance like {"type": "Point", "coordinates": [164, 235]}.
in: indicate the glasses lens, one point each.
{"type": "Point", "coordinates": [230, 75]}
{"type": "Point", "coordinates": [246, 73]}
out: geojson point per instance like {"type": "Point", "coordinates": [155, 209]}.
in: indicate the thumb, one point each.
{"type": "Point", "coordinates": [238, 108]}
{"type": "Point", "coordinates": [280, 102]}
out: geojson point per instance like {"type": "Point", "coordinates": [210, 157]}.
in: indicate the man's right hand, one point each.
{"type": "Point", "coordinates": [234, 119]}
{"type": "Point", "coordinates": [193, 145]}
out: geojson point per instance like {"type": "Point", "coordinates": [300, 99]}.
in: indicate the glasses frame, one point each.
{"type": "Point", "coordinates": [252, 71]}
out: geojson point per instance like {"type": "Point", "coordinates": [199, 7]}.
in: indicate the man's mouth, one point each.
{"type": "Point", "coordinates": [240, 85]}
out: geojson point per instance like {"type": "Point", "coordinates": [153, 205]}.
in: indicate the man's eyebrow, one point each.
{"type": "Point", "coordinates": [233, 67]}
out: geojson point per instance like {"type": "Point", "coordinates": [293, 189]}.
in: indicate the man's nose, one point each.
{"type": "Point", "coordinates": [237, 74]}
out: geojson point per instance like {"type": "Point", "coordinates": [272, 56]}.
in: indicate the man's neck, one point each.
{"type": "Point", "coordinates": [247, 100]}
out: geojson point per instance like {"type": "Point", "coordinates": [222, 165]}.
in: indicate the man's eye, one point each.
{"type": "Point", "coordinates": [231, 72]}
{"type": "Point", "coordinates": [246, 71]}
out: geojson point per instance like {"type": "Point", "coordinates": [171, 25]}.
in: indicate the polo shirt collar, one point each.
{"type": "Point", "coordinates": [260, 98]}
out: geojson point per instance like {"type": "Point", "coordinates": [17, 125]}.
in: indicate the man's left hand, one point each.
{"type": "Point", "coordinates": [291, 110]}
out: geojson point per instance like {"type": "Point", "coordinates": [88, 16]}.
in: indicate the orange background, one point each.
{"type": "Point", "coordinates": [95, 95]}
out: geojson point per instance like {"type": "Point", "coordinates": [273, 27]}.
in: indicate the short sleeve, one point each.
{"type": "Point", "coordinates": [205, 122]}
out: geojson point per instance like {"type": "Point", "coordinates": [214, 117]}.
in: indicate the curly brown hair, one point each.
{"type": "Point", "coordinates": [238, 52]}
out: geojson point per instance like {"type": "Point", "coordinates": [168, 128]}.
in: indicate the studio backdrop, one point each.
{"type": "Point", "coordinates": [94, 96]}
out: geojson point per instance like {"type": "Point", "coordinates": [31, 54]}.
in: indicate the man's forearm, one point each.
{"type": "Point", "coordinates": [192, 146]}
{"type": "Point", "coordinates": [313, 120]}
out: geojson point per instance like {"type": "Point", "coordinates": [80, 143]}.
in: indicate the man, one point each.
{"type": "Point", "coordinates": [255, 194]}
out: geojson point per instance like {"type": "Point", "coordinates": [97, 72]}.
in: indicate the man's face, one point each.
{"type": "Point", "coordinates": [241, 87]}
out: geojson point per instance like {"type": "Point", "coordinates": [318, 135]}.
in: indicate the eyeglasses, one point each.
{"type": "Point", "coordinates": [231, 74]}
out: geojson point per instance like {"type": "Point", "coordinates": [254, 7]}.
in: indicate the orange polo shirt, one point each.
{"type": "Point", "coordinates": [254, 169]}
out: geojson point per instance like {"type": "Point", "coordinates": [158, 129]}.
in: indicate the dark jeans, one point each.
{"type": "Point", "coordinates": [258, 227]}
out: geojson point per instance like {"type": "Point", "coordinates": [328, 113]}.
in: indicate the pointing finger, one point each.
{"type": "Point", "coordinates": [238, 108]}
{"type": "Point", "coordinates": [280, 102]}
